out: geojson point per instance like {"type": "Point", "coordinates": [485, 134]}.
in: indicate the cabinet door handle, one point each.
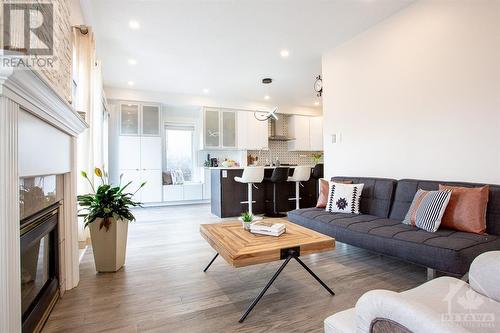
{"type": "Point", "coordinates": [137, 169]}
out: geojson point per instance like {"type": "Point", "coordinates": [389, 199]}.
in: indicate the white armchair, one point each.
{"type": "Point", "coordinates": [444, 304]}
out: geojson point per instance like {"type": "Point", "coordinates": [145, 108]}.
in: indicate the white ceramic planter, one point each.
{"type": "Point", "coordinates": [109, 246]}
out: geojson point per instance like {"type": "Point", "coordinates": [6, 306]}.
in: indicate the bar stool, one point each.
{"type": "Point", "coordinates": [317, 174]}
{"type": "Point", "coordinates": [300, 174]}
{"type": "Point", "coordinates": [251, 176]}
{"type": "Point", "coordinates": [279, 175]}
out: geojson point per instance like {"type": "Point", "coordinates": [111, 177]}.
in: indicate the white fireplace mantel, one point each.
{"type": "Point", "coordinates": [26, 90]}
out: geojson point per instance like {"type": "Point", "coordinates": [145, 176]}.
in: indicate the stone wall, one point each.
{"type": "Point", "coordinates": [58, 77]}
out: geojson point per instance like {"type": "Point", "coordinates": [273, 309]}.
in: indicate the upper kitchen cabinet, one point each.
{"type": "Point", "coordinates": [219, 129]}
{"type": "Point", "coordinates": [307, 131]}
{"type": "Point", "coordinates": [139, 119]}
{"type": "Point", "coordinates": [252, 133]}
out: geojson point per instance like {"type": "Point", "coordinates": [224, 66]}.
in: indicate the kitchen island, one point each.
{"type": "Point", "coordinates": [227, 194]}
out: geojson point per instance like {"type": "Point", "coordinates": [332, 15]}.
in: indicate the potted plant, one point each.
{"type": "Point", "coordinates": [316, 157]}
{"type": "Point", "coordinates": [246, 219]}
{"type": "Point", "coordinates": [107, 213]}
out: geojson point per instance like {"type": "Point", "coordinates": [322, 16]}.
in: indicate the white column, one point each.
{"type": "Point", "coordinates": [72, 275]}
{"type": "Point", "coordinates": [10, 271]}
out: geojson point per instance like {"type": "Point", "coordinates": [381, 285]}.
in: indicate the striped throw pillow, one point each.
{"type": "Point", "coordinates": [427, 209]}
{"type": "Point", "coordinates": [344, 198]}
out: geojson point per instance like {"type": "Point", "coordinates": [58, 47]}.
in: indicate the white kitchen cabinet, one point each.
{"type": "Point", "coordinates": [220, 129]}
{"type": "Point", "coordinates": [151, 192]}
{"type": "Point", "coordinates": [316, 133]}
{"type": "Point", "coordinates": [207, 184]}
{"type": "Point", "coordinates": [173, 193]}
{"type": "Point", "coordinates": [307, 133]}
{"type": "Point", "coordinates": [252, 133]}
{"type": "Point", "coordinates": [193, 191]}
{"type": "Point", "coordinates": [140, 161]}
{"type": "Point", "coordinates": [139, 119]}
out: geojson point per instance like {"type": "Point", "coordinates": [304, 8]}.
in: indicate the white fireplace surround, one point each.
{"type": "Point", "coordinates": [26, 90]}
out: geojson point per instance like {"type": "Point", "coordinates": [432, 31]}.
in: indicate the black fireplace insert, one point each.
{"type": "Point", "coordinates": [39, 266]}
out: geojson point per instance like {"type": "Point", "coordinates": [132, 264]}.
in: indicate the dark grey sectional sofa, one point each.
{"type": "Point", "coordinates": [384, 203]}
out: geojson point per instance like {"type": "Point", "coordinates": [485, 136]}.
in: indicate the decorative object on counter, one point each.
{"type": "Point", "coordinates": [106, 212]}
{"type": "Point", "coordinates": [207, 162]}
{"type": "Point", "coordinates": [279, 175]}
{"type": "Point", "coordinates": [300, 174]}
{"type": "Point", "coordinates": [252, 160]}
{"type": "Point", "coordinates": [316, 157]}
{"type": "Point", "coordinates": [229, 163]}
{"type": "Point", "coordinates": [251, 176]}
{"type": "Point", "coordinates": [246, 219]}
{"type": "Point", "coordinates": [214, 162]}
{"type": "Point", "coordinates": [268, 228]}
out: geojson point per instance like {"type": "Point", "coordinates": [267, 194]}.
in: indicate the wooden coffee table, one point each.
{"type": "Point", "coordinates": [241, 248]}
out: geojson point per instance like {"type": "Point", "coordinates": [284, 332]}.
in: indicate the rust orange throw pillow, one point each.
{"type": "Point", "coordinates": [466, 210]}
{"type": "Point", "coordinates": [324, 186]}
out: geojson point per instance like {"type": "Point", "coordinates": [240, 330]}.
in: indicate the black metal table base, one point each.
{"type": "Point", "coordinates": [290, 253]}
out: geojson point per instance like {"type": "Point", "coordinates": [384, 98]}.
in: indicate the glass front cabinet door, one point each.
{"type": "Point", "coordinates": [212, 129]}
{"type": "Point", "coordinates": [129, 119]}
{"type": "Point", "coordinates": [228, 129]}
{"type": "Point", "coordinates": [150, 120]}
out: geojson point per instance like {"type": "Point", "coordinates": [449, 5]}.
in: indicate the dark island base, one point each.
{"type": "Point", "coordinates": [227, 194]}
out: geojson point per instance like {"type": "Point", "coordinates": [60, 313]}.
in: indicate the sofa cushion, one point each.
{"type": "Point", "coordinates": [406, 189]}
{"type": "Point", "coordinates": [377, 194]}
{"type": "Point", "coordinates": [445, 250]}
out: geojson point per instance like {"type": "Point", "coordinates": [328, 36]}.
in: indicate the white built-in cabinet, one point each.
{"type": "Point", "coordinates": [307, 133]}
{"type": "Point", "coordinates": [184, 192]}
{"type": "Point", "coordinates": [140, 150]}
{"type": "Point", "coordinates": [252, 133]}
{"type": "Point", "coordinates": [219, 129]}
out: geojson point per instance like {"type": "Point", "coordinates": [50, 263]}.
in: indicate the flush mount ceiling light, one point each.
{"type": "Point", "coordinates": [206, 91]}
{"type": "Point", "coordinates": [133, 24]}
{"type": "Point", "coordinates": [132, 62]}
{"type": "Point", "coordinates": [130, 83]}
{"type": "Point", "coordinates": [267, 97]}
{"type": "Point", "coordinates": [284, 53]}
{"type": "Point", "coordinates": [316, 103]}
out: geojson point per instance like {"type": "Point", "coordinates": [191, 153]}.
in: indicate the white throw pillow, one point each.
{"type": "Point", "coordinates": [344, 198]}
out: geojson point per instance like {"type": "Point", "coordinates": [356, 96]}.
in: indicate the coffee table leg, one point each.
{"type": "Point", "coordinates": [265, 288]}
{"type": "Point", "coordinates": [314, 275]}
{"type": "Point", "coordinates": [211, 261]}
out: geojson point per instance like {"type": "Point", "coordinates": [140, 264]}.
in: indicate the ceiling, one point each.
{"type": "Point", "coordinates": [227, 47]}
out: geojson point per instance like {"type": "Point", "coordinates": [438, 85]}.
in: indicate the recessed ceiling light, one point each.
{"type": "Point", "coordinates": [133, 24]}
{"type": "Point", "coordinates": [316, 103]}
{"type": "Point", "coordinates": [267, 97]}
{"type": "Point", "coordinates": [130, 83]}
{"type": "Point", "coordinates": [206, 91]}
{"type": "Point", "coordinates": [132, 62]}
{"type": "Point", "coordinates": [284, 53]}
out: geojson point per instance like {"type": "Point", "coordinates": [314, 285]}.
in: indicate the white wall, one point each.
{"type": "Point", "coordinates": [418, 96]}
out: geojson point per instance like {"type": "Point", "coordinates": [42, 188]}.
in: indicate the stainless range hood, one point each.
{"type": "Point", "coordinates": [278, 129]}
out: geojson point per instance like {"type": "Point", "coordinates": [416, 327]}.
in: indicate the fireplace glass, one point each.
{"type": "Point", "coordinates": [35, 270]}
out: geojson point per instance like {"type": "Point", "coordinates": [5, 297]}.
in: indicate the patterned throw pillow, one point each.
{"type": "Point", "coordinates": [344, 198]}
{"type": "Point", "coordinates": [427, 209]}
{"type": "Point", "coordinates": [324, 187]}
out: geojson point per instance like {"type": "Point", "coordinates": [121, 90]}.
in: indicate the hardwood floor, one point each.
{"type": "Point", "coordinates": [163, 288]}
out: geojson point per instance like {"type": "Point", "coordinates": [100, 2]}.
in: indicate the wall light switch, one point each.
{"type": "Point", "coordinates": [224, 173]}
{"type": "Point", "coordinates": [334, 138]}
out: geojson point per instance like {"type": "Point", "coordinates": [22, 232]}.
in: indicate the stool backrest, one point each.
{"type": "Point", "coordinates": [252, 175]}
{"type": "Point", "coordinates": [280, 175]}
{"type": "Point", "coordinates": [318, 171]}
{"type": "Point", "coordinates": [301, 174]}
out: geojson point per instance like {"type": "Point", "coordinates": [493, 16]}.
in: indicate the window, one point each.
{"type": "Point", "coordinates": [179, 149]}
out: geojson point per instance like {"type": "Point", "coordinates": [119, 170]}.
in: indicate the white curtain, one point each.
{"type": "Point", "coordinates": [87, 74]}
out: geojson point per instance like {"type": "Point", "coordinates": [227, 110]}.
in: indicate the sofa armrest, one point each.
{"type": "Point", "coordinates": [384, 304]}
{"type": "Point", "coordinates": [484, 274]}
